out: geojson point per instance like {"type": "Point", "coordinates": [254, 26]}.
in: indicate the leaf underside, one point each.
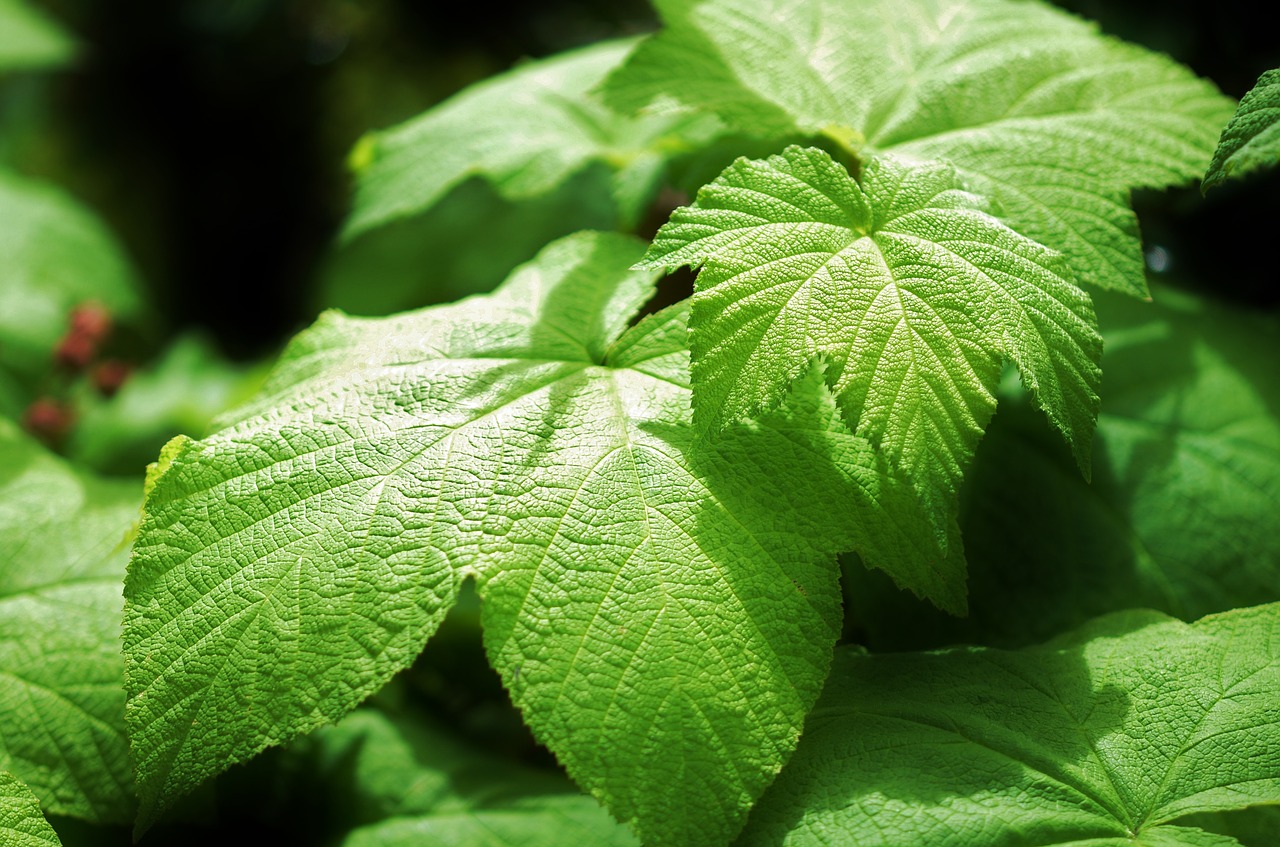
{"type": "Point", "coordinates": [664, 616]}
{"type": "Point", "coordinates": [1251, 139]}
{"type": "Point", "coordinates": [908, 290]}
{"type": "Point", "coordinates": [1102, 737]}
{"type": "Point", "coordinates": [1053, 121]}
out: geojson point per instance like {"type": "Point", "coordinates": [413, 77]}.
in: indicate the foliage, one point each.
{"type": "Point", "coordinates": [1251, 139]}
{"type": "Point", "coordinates": [860, 538]}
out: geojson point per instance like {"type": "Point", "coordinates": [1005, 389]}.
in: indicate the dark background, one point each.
{"type": "Point", "coordinates": [212, 134]}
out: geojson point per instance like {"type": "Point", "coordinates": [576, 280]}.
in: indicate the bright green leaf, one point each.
{"type": "Point", "coordinates": [62, 559]}
{"type": "Point", "coordinates": [1251, 139]}
{"type": "Point", "coordinates": [1101, 737]}
{"type": "Point", "coordinates": [29, 39]}
{"type": "Point", "coordinates": [22, 824]}
{"type": "Point", "coordinates": [1180, 515]}
{"type": "Point", "coordinates": [526, 132]}
{"type": "Point", "coordinates": [54, 255]}
{"type": "Point", "coordinates": [903, 284]}
{"type": "Point", "coordinates": [663, 616]}
{"type": "Point", "coordinates": [1034, 107]}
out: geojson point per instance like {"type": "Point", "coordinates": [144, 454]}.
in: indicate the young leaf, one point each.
{"type": "Point", "coordinates": [903, 284]}
{"type": "Point", "coordinates": [1036, 109]}
{"type": "Point", "coordinates": [62, 557]}
{"type": "Point", "coordinates": [22, 824]}
{"type": "Point", "coordinates": [1180, 514]}
{"type": "Point", "coordinates": [1251, 139]}
{"type": "Point", "coordinates": [663, 616]}
{"type": "Point", "coordinates": [29, 39]}
{"type": "Point", "coordinates": [526, 132]}
{"type": "Point", "coordinates": [1102, 737]}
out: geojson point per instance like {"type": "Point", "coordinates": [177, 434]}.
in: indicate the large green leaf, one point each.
{"type": "Point", "coordinates": [1100, 738]}
{"type": "Point", "coordinates": [405, 780]}
{"type": "Point", "coordinates": [1034, 107]}
{"type": "Point", "coordinates": [29, 39]}
{"type": "Point", "coordinates": [909, 290]}
{"type": "Point", "coordinates": [663, 616]}
{"type": "Point", "coordinates": [1180, 515]}
{"type": "Point", "coordinates": [526, 132]}
{"type": "Point", "coordinates": [62, 560]}
{"type": "Point", "coordinates": [21, 822]}
{"type": "Point", "coordinates": [1251, 139]}
{"type": "Point", "coordinates": [54, 255]}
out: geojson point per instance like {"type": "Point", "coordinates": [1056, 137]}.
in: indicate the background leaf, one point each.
{"type": "Point", "coordinates": [62, 557]}
{"type": "Point", "coordinates": [30, 39]}
{"type": "Point", "coordinates": [406, 780]}
{"type": "Point", "coordinates": [54, 255]}
{"type": "Point", "coordinates": [1251, 139]}
{"type": "Point", "coordinates": [1099, 737]}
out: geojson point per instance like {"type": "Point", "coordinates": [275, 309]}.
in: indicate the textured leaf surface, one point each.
{"type": "Point", "coordinates": [54, 255]}
{"type": "Point", "coordinates": [526, 132]}
{"type": "Point", "coordinates": [29, 39]}
{"type": "Point", "coordinates": [903, 283]}
{"type": "Point", "coordinates": [408, 781]}
{"type": "Point", "coordinates": [664, 618]}
{"type": "Point", "coordinates": [1102, 737]}
{"type": "Point", "coordinates": [1035, 108]}
{"type": "Point", "coordinates": [1251, 139]}
{"type": "Point", "coordinates": [62, 559]}
{"type": "Point", "coordinates": [1180, 515]}
{"type": "Point", "coordinates": [22, 824]}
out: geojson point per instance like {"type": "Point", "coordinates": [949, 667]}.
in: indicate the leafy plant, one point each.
{"type": "Point", "coordinates": [696, 526]}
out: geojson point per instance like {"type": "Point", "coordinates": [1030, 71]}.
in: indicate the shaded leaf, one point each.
{"type": "Point", "coordinates": [1101, 737]}
{"type": "Point", "coordinates": [1251, 139]}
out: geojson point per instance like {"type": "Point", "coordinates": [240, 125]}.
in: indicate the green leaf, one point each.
{"type": "Point", "coordinates": [1251, 139]}
{"type": "Point", "coordinates": [289, 564]}
{"type": "Point", "coordinates": [1036, 109]}
{"type": "Point", "coordinates": [1180, 514]}
{"type": "Point", "coordinates": [526, 132]}
{"type": "Point", "coordinates": [1101, 737]}
{"type": "Point", "coordinates": [62, 558]}
{"type": "Point", "coordinates": [22, 824]}
{"type": "Point", "coordinates": [409, 781]}
{"type": "Point", "coordinates": [903, 283]}
{"type": "Point", "coordinates": [54, 255]}
{"type": "Point", "coordinates": [29, 39]}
